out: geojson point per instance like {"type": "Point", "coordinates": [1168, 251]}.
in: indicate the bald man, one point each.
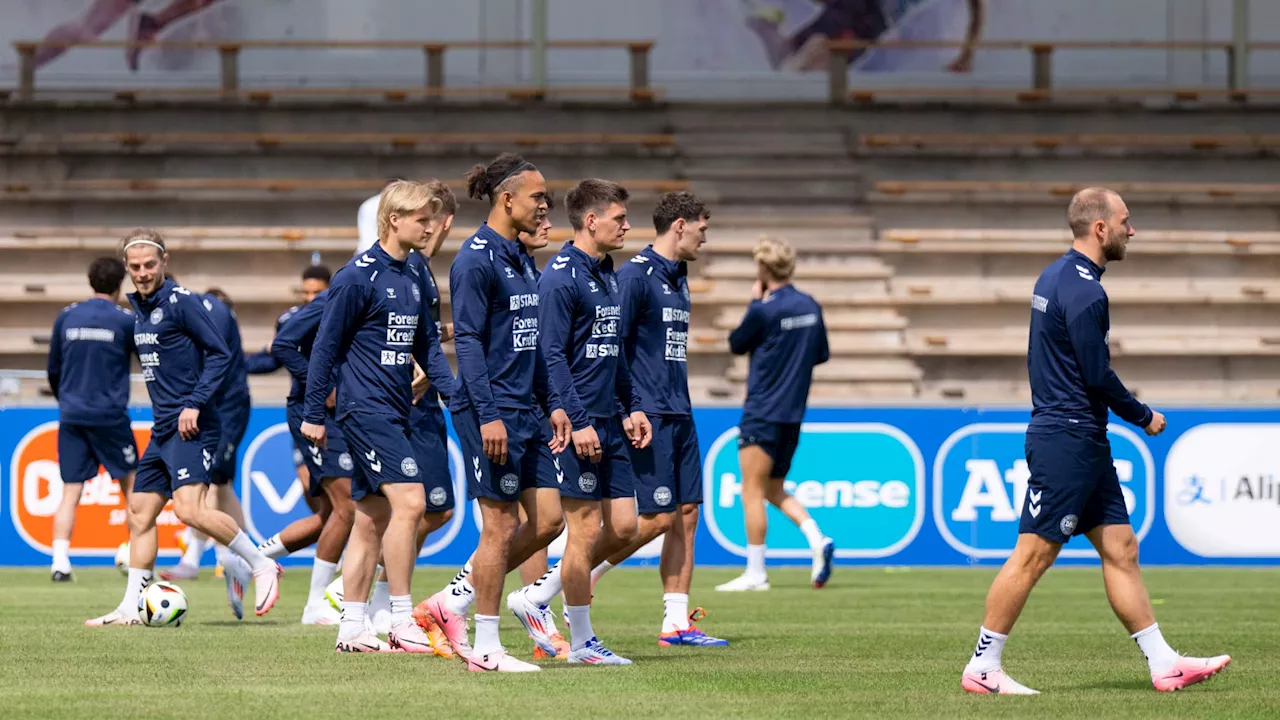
{"type": "Point", "coordinates": [1073, 488]}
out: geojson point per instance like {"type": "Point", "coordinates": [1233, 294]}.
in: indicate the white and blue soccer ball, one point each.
{"type": "Point", "coordinates": [122, 558]}
{"type": "Point", "coordinates": [162, 604]}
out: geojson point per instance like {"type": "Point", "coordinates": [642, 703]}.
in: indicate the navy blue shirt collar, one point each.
{"type": "Point", "coordinates": [154, 298]}
{"type": "Point", "coordinates": [1078, 256]}
{"type": "Point", "coordinates": [385, 258]}
{"type": "Point", "coordinates": [592, 264]}
{"type": "Point", "coordinates": [673, 269]}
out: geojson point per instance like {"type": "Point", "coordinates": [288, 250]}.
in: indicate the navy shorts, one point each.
{"type": "Point", "coordinates": [1073, 486]}
{"type": "Point", "coordinates": [669, 471]}
{"type": "Point", "coordinates": [529, 465]}
{"type": "Point", "coordinates": [612, 477]}
{"type": "Point", "coordinates": [332, 462]}
{"type": "Point", "coordinates": [234, 420]}
{"type": "Point", "coordinates": [778, 440]}
{"type": "Point", "coordinates": [82, 448]}
{"type": "Point", "coordinates": [171, 462]}
{"type": "Point", "coordinates": [380, 447]}
{"type": "Point", "coordinates": [430, 438]}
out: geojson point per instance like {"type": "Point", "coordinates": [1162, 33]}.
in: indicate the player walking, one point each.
{"type": "Point", "coordinates": [88, 370]}
{"type": "Point", "coordinates": [580, 311]}
{"type": "Point", "coordinates": [784, 332]}
{"type": "Point", "coordinates": [655, 331]}
{"type": "Point", "coordinates": [374, 326]}
{"type": "Point", "coordinates": [184, 360]}
{"type": "Point", "coordinates": [1073, 488]}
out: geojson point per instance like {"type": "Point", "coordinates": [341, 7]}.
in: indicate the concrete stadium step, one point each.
{"type": "Point", "coordinates": [1071, 169]}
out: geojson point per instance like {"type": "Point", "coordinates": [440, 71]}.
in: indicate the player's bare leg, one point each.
{"type": "Point", "coordinates": [676, 568]}
{"type": "Point", "coordinates": [756, 466]}
{"type": "Point", "coordinates": [64, 522]}
{"type": "Point", "coordinates": [190, 506]}
{"type": "Point", "coordinates": [372, 516]}
{"type": "Point", "coordinates": [142, 512]}
{"type": "Point", "coordinates": [1117, 546]}
{"type": "Point", "coordinates": [822, 547]}
{"type": "Point", "coordinates": [324, 601]}
{"type": "Point", "coordinates": [148, 25]}
{"type": "Point", "coordinates": [408, 502]}
{"type": "Point", "coordinates": [379, 610]}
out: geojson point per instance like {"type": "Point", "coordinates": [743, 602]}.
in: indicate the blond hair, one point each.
{"type": "Point", "coordinates": [403, 197]}
{"type": "Point", "coordinates": [777, 256]}
{"type": "Point", "coordinates": [149, 237]}
{"type": "Point", "coordinates": [440, 191]}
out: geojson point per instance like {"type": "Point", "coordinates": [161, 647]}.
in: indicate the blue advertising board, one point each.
{"type": "Point", "coordinates": [892, 486]}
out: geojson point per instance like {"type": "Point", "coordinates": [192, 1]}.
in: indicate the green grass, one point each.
{"type": "Point", "coordinates": [874, 643]}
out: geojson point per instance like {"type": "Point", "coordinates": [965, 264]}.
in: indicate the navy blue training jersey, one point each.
{"type": "Point", "coordinates": [786, 337]}
{"type": "Point", "coordinates": [580, 313]}
{"type": "Point", "coordinates": [183, 355]}
{"type": "Point", "coordinates": [263, 362]}
{"type": "Point", "coordinates": [494, 296]}
{"type": "Point", "coordinates": [293, 342]}
{"type": "Point", "coordinates": [235, 387]}
{"type": "Point", "coordinates": [437, 369]}
{"type": "Point", "coordinates": [375, 324]}
{"type": "Point", "coordinates": [1069, 363]}
{"type": "Point", "coordinates": [89, 354]}
{"type": "Point", "coordinates": [655, 330]}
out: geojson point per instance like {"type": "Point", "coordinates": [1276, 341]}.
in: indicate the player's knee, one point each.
{"type": "Point", "coordinates": [661, 522]}
{"type": "Point", "coordinates": [1035, 554]}
{"type": "Point", "coordinates": [189, 513]}
{"type": "Point", "coordinates": [549, 528]}
{"type": "Point", "coordinates": [139, 523]}
{"type": "Point", "coordinates": [625, 529]}
{"type": "Point", "coordinates": [1123, 552]}
{"type": "Point", "coordinates": [415, 507]}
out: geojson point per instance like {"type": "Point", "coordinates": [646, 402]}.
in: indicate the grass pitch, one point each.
{"type": "Point", "coordinates": [875, 643]}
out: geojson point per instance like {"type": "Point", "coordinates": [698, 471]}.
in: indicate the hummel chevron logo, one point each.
{"type": "Point", "coordinates": [1034, 498]}
{"type": "Point", "coordinates": [559, 472]}
{"type": "Point", "coordinates": [475, 463]}
{"type": "Point", "coordinates": [558, 265]}
{"type": "Point", "coordinates": [374, 463]}
{"type": "Point", "coordinates": [476, 246]}
{"type": "Point", "coordinates": [364, 261]}
{"type": "Point", "coordinates": [639, 259]}
{"type": "Point", "coordinates": [984, 642]}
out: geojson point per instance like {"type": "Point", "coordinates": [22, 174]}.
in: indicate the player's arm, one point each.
{"type": "Point", "coordinates": [824, 343]}
{"type": "Point", "coordinates": [1088, 331]}
{"type": "Point", "coordinates": [262, 362]}
{"type": "Point", "coordinates": [54, 367]}
{"type": "Point", "coordinates": [343, 313]}
{"type": "Point", "coordinates": [430, 356]}
{"type": "Point", "coordinates": [286, 347]}
{"type": "Point", "coordinates": [555, 327]}
{"type": "Point", "coordinates": [471, 288]}
{"type": "Point", "coordinates": [634, 295]}
{"type": "Point", "coordinates": [748, 335]}
{"type": "Point", "coordinates": [207, 336]}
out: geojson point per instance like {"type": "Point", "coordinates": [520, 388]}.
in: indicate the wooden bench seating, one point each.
{"type": "Point", "coordinates": [312, 140]}
{"type": "Point", "coordinates": [1057, 241]}
{"type": "Point", "coordinates": [984, 189]}
{"type": "Point", "coordinates": [268, 185]}
{"type": "Point", "coordinates": [982, 142]}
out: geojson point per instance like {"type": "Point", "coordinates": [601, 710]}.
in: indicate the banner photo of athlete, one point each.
{"type": "Point", "coordinates": [891, 486]}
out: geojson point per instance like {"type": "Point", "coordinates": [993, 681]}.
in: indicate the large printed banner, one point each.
{"type": "Point", "coordinates": [895, 486]}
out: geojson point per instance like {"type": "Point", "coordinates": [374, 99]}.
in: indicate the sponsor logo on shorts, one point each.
{"type": "Point", "coordinates": [409, 467]}
{"type": "Point", "coordinates": [344, 461]}
{"type": "Point", "coordinates": [1068, 525]}
{"type": "Point", "coordinates": [662, 496]}
{"type": "Point", "coordinates": [437, 496]}
{"type": "Point", "coordinates": [587, 482]}
{"type": "Point", "coordinates": [156, 316]}
{"type": "Point", "coordinates": [184, 474]}
{"type": "Point", "coordinates": [509, 483]}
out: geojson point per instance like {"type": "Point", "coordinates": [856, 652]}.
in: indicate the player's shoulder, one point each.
{"type": "Point", "coordinates": [558, 272]}
{"type": "Point", "coordinates": [637, 267]}
{"type": "Point", "coordinates": [181, 297]}
{"type": "Point", "coordinates": [286, 315]}
{"type": "Point", "coordinates": [356, 273]}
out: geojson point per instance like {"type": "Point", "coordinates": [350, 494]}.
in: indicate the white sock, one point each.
{"type": "Point", "coordinates": [1160, 657]}
{"type": "Point", "coordinates": [321, 575]}
{"type": "Point", "coordinates": [813, 534]}
{"type": "Point", "coordinates": [273, 548]}
{"type": "Point", "coordinates": [223, 554]}
{"type": "Point", "coordinates": [599, 571]}
{"type": "Point", "coordinates": [487, 641]}
{"type": "Point", "coordinates": [675, 612]}
{"type": "Point", "coordinates": [138, 580]}
{"type": "Point", "coordinates": [245, 548]}
{"type": "Point", "coordinates": [61, 556]}
{"type": "Point", "coordinates": [458, 597]}
{"type": "Point", "coordinates": [755, 561]}
{"type": "Point", "coordinates": [542, 590]}
{"type": "Point", "coordinates": [380, 598]}
{"type": "Point", "coordinates": [986, 656]}
{"type": "Point", "coordinates": [352, 619]}
{"type": "Point", "coordinates": [579, 625]}
{"type": "Point", "coordinates": [401, 608]}
{"type": "Point", "coordinates": [195, 548]}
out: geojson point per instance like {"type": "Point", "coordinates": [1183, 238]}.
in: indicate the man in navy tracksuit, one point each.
{"type": "Point", "coordinates": [500, 407]}
{"type": "Point", "coordinates": [784, 332]}
{"type": "Point", "coordinates": [375, 324]}
{"type": "Point", "coordinates": [655, 335]}
{"type": "Point", "coordinates": [89, 353]}
{"type": "Point", "coordinates": [184, 360]}
{"type": "Point", "coordinates": [1073, 488]}
{"type": "Point", "coordinates": [580, 318]}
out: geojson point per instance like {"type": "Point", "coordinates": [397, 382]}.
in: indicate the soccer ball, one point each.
{"type": "Point", "coordinates": [122, 558]}
{"type": "Point", "coordinates": [162, 604]}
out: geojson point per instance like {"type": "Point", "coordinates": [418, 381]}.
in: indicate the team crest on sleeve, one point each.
{"type": "Point", "coordinates": [156, 316]}
{"type": "Point", "coordinates": [409, 467]}
{"type": "Point", "coordinates": [509, 483]}
{"type": "Point", "coordinates": [587, 482]}
{"type": "Point", "coordinates": [437, 496]}
{"type": "Point", "coordinates": [417, 294]}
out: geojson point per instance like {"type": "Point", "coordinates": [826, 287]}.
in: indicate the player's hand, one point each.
{"type": "Point", "coordinates": [446, 332]}
{"type": "Point", "coordinates": [757, 290]}
{"type": "Point", "coordinates": [420, 383]}
{"type": "Point", "coordinates": [189, 423]}
{"type": "Point", "coordinates": [494, 437]}
{"type": "Point", "coordinates": [561, 431]}
{"type": "Point", "coordinates": [638, 429]}
{"type": "Point", "coordinates": [587, 444]}
{"type": "Point", "coordinates": [1156, 426]}
{"type": "Point", "coordinates": [331, 401]}
{"type": "Point", "coordinates": [315, 434]}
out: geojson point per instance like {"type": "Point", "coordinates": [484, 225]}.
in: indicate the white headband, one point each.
{"type": "Point", "coordinates": [153, 244]}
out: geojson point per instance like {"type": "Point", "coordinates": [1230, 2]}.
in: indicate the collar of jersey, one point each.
{"type": "Point", "coordinates": [509, 250]}
{"type": "Point", "coordinates": [592, 264]}
{"type": "Point", "coordinates": [154, 298]}
{"type": "Point", "coordinates": [673, 269]}
{"type": "Point", "coordinates": [1079, 256]}
{"type": "Point", "coordinates": [385, 258]}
